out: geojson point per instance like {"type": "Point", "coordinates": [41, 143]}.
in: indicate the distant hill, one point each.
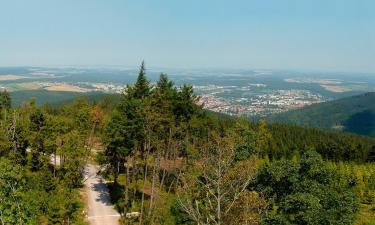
{"type": "Point", "coordinates": [355, 114]}
{"type": "Point", "coordinates": [55, 98]}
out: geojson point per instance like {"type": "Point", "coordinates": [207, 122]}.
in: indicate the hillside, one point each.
{"type": "Point", "coordinates": [354, 114]}
{"type": "Point", "coordinates": [55, 98]}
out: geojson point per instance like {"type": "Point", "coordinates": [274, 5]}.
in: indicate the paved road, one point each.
{"type": "Point", "coordinates": [100, 210]}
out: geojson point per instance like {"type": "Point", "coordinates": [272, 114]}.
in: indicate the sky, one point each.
{"type": "Point", "coordinates": [325, 35]}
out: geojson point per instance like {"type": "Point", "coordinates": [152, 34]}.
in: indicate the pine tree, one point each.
{"type": "Point", "coordinates": [164, 85]}
{"type": "Point", "coordinates": [5, 103]}
{"type": "Point", "coordinates": [142, 86]}
{"type": "Point", "coordinates": [5, 100]}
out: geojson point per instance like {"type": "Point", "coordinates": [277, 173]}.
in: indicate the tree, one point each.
{"type": "Point", "coordinates": [124, 132]}
{"type": "Point", "coordinates": [128, 131]}
{"type": "Point", "coordinates": [96, 117]}
{"type": "Point", "coordinates": [74, 158]}
{"type": "Point", "coordinates": [305, 193]}
{"type": "Point", "coordinates": [262, 137]}
{"type": "Point", "coordinates": [81, 112]}
{"type": "Point", "coordinates": [186, 103]}
{"type": "Point", "coordinates": [371, 155]}
{"type": "Point", "coordinates": [37, 138]}
{"type": "Point", "coordinates": [215, 191]}
{"type": "Point", "coordinates": [13, 185]}
{"type": "Point", "coordinates": [5, 103]}
{"type": "Point", "coordinates": [246, 141]}
{"type": "Point", "coordinates": [5, 100]}
{"type": "Point", "coordinates": [30, 190]}
{"type": "Point", "coordinates": [142, 86]}
{"type": "Point", "coordinates": [164, 87]}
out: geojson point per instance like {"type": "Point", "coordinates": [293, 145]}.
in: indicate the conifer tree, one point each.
{"type": "Point", "coordinates": [5, 103]}
{"type": "Point", "coordinates": [5, 100]}
{"type": "Point", "coordinates": [142, 86]}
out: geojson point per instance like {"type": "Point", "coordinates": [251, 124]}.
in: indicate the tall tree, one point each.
{"type": "Point", "coordinates": [142, 86]}
{"type": "Point", "coordinates": [5, 103]}
{"type": "Point", "coordinates": [186, 103]}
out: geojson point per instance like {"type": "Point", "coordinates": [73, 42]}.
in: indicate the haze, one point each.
{"type": "Point", "coordinates": [308, 35]}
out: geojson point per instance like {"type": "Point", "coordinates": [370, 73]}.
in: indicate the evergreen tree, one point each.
{"type": "Point", "coordinates": [165, 87]}
{"type": "Point", "coordinates": [186, 103]}
{"type": "Point", "coordinates": [142, 86]}
{"type": "Point", "coordinates": [5, 100]}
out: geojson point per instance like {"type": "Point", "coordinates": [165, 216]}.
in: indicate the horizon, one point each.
{"type": "Point", "coordinates": [180, 69]}
{"type": "Point", "coordinates": [336, 36]}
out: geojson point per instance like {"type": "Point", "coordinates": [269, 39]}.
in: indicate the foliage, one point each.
{"type": "Point", "coordinates": [288, 141]}
{"type": "Point", "coordinates": [33, 188]}
{"type": "Point", "coordinates": [214, 192]}
{"type": "Point", "coordinates": [306, 192]}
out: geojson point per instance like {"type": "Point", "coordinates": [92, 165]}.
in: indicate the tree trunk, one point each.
{"type": "Point", "coordinates": [143, 193]}
{"type": "Point", "coordinates": [152, 189]}
{"type": "Point", "coordinates": [162, 179]}
{"type": "Point", "coordinates": [14, 132]}
{"type": "Point", "coordinates": [1, 218]}
{"type": "Point", "coordinates": [126, 208]}
{"type": "Point", "coordinates": [218, 190]}
{"type": "Point", "coordinates": [117, 170]}
{"type": "Point", "coordinates": [91, 135]}
{"type": "Point", "coordinates": [134, 177]}
{"type": "Point", "coordinates": [54, 168]}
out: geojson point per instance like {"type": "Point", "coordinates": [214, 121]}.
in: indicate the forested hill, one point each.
{"type": "Point", "coordinates": [57, 98]}
{"type": "Point", "coordinates": [354, 114]}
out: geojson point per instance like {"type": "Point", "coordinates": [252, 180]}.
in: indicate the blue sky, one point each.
{"type": "Point", "coordinates": [332, 35]}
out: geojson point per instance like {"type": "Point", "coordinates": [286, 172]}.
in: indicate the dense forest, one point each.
{"type": "Point", "coordinates": [42, 156]}
{"type": "Point", "coordinates": [57, 98]}
{"type": "Point", "coordinates": [172, 162]}
{"type": "Point", "coordinates": [355, 114]}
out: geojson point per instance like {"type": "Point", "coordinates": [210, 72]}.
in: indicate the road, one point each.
{"type": "Point", "coordinates": [100, 210]}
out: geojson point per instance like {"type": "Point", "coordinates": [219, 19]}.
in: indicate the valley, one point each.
{"type": "Point", "coordinates": [233, 92]}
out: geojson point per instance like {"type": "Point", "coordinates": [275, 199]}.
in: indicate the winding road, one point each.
{"type": "Point", "coordinates": [100, 210]}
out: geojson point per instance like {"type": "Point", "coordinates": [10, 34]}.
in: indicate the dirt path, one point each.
{"type": "Point", "coordinates": [100, 210]}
